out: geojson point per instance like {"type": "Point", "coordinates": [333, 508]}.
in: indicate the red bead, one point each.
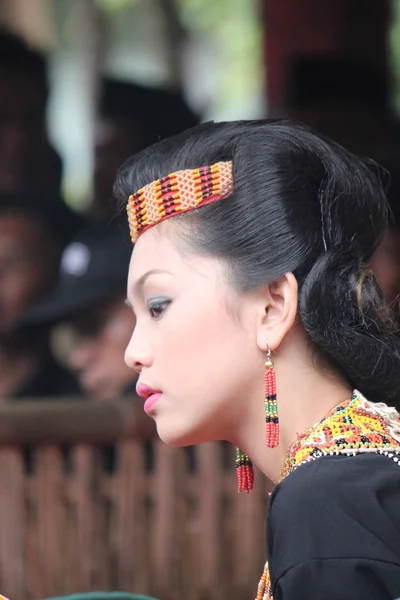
{"type": "Point", "coordinates": [272, 428]}
{"type": "Point", "coordinates": [245, 475]}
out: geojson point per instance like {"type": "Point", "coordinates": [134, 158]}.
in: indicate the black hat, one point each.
{"type": "Point", "coordinates": [161, 113]}
{"type": "Point", "coordinates": [61, 221]}
{"type": "Point", "coordinates": [94, 267]}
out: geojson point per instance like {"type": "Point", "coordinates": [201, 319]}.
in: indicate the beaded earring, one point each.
{"type": "Point", "coordinates": [244, 466]}
{"type": "Point", "coordinates": [244, 472]}
{"type": "Point", "coordinates": [271, 408]}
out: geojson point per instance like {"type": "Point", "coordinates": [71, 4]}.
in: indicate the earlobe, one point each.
{"type": "Point", "coordinates": [279, 312]}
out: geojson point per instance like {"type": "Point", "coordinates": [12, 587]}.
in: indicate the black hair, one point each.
{"type": "Point", "coordinates": [300, 204]}
{"type": "Point", "coordinates": [17, 56]}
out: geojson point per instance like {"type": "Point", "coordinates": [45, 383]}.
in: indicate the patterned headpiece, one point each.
{"type": "Point", "coordinates": [178, 193]}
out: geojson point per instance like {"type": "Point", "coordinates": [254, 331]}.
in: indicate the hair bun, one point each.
{"type": "Point", "coordinates": [343, 311]}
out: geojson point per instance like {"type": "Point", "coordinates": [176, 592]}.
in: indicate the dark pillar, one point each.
{"type": "Point", "coordinates": [356, 28]}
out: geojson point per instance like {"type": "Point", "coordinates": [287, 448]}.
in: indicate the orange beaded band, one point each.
{"type": "Point", "coordinates": [177, 193]}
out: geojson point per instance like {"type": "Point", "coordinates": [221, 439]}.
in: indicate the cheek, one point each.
{"type": "Point", "coordinates": [19, 289]}
{"type": "Point", "coordinates": [206, 367]}
{"type": "Point", "coordinates": [110, 351]}
{"type": "Point", "coordinates": [82, 354]}
{"type": "Point", "coordinates": [201, 354]}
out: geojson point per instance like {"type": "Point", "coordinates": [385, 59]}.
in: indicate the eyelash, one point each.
{"type": "Point", "coordinates": [156, 305]}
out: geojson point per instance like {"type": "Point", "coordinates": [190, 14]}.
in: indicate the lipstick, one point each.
{"type": "Point", "coordinates": [150, 395]}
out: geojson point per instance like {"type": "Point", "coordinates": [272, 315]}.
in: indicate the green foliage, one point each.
{"type": "Point", "coordinates": [394, 49]}
{"type": "Point", "coordinates": [114, 5]}
{"type": "Point", "coordinates": [236, 27]}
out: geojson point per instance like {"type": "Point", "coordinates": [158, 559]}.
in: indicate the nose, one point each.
{"type": "Point", "coordinates": [137, 354]}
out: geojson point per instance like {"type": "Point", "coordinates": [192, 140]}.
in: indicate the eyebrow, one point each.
{"type": "Point", "coordinates": [137, 286]}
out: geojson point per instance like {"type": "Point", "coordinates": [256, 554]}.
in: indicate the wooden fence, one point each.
{"type": "Point", "coordinates": [90, 499]}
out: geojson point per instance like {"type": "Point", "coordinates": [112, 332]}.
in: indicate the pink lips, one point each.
{"type": "Point", "coordinates": [151, 396]}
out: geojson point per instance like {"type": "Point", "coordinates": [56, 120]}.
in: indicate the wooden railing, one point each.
{"type": "Point", "coordinates": [90, 499]}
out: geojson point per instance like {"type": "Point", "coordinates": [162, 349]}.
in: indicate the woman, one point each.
{"type": "Point", "coordinates": [262, 276]}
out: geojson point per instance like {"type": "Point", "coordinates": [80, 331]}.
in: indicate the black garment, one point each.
{"type": "Point", "coordinates": [50, 380]}
{"type": "Point", "coordinates": [334, 530]}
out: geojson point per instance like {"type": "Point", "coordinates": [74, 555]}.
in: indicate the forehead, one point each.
{"type": "Point", "coordinates": [156, 249]}
{"type": "Point", "coordinates": [153, 250]}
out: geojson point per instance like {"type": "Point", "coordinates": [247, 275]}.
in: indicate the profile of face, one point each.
{"type": "Point", "coordinates": [196, 341]}
{"type": "Point", "coordinates": [100, 336]}
{"type": "Point", "coordinates": [28, 265]}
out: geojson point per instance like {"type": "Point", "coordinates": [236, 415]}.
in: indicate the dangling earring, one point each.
{"type": "Point", "coordinates": [271, 408]}
{"type": "Point", "coordinates": [244, 466]}
{"type": "Point", "coordinates": [244, 472]}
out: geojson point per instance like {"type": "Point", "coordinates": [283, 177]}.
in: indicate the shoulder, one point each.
{"type": "Point", "coordinates": [336, 507]}
{"type": "Point", "coordinates": [338, 479]}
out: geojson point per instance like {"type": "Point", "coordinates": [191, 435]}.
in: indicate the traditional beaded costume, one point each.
{"type": "Point", "coordinates": [354, 427]}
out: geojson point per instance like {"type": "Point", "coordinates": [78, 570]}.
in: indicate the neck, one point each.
{"type": "Point", "coordinates": [304, 396]}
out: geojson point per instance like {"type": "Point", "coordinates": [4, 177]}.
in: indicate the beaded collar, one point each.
{"type": "Point", "coordinates": [354, 427]}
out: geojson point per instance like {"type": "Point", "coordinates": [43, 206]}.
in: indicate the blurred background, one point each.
{"type": "Point", "coordinates": [90, 499]}
{"type": "Point", "coordinates": [210, 52]}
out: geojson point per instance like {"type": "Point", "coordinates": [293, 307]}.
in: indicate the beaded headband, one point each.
{"type": "Point", "coordinates": [178, 193]}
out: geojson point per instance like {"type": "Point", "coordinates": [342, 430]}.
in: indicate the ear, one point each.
{"type": "Point", "coordinates": [279, 311]}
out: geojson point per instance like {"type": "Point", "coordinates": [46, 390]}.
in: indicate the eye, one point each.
{"type": "Point", "coordinates": [157, 307]}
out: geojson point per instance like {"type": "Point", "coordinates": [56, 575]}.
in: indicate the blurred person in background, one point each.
{"type": "Point", "coordinates": [386, 264]}
{"type": "Point", "coordinates": [386, 261]}
{"type": "Point", "coordinates": [28, 161]}
{"type": "Point", "coordinates": [90, 300]}
{"type": "Point", "coordinates": [131, 118]}
{"type": "Point", "coordinates": [32, 234]}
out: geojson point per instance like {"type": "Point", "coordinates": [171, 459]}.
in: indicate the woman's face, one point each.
{"type": "Point", "coordinates": [194, 341]}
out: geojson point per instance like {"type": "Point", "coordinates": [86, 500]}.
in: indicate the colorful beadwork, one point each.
{"type": "Point", "coordinates": [177, 193]}
{"type": "Point", "coordinates": [354, 427]}
{"type": "Point", "coordinates": [244, 472]}
{"type": "Point", "coordinates": [264, 591]}
{"type": "Point", "coordinates": [271, 408]}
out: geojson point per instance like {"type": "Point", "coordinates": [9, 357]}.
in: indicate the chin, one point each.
{"type": "Point", "coordinates": [173, 435]}
{"type": "Point", "coordinates": [172, 438]}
